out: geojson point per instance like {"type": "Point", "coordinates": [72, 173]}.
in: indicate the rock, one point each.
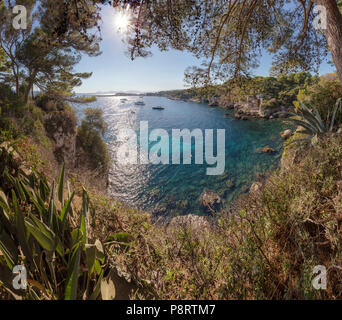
{"type": "Point", "coordinates": [223, 177]}
{"type": "Point", "coordinates": [286, 134]}
{"type": "Point", "coordinates": [211, 202]}
{"type": "Point", "coordinates": [230, 184]}
{"type": "Point", "coordinates": [183, 205]}
{"type": "Point", "coordinates": [214, 102]}
{"type": "Point", "coordinates": [237, 116]}
{"type": "Point", "coordinates": [155, 194]}
{"type": "Point", "coordinates": [15, 157]}
{"type": "Point", "coordinates": [256, 188]}
{"type": "Point", "coordinates": [225, 102]}
{"type": "Point", "coordinates": [339, 131]}
{"type": "Point", "coordinates": [267, 150]}
{"type": "Point", "coordinates": [170, 201]}
{"type": "Point", "coordinates": [16, 162]}
{"type": "Point", "coordinates": [160, 210]}
{"type": "Point", "coordinates": [223, 193]}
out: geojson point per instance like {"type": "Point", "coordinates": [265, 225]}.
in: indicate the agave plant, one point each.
{"type": "Point", "coordinates": [312, 122]}
{"type": "Point", "coordinates": [51, 243]}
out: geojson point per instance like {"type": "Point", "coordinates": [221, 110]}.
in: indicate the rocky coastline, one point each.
{"type": "Point", "coordinates": [251, 107]}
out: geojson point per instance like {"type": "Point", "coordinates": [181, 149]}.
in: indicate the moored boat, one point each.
{"type": "Point", "coordinates": [140, 103]}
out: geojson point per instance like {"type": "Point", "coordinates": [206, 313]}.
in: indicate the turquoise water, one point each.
{"type": "Point", "coordinates": [175, 189]}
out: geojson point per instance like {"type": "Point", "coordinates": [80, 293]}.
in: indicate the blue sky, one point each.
{"type": "Point", "coordinates": [114, 71]}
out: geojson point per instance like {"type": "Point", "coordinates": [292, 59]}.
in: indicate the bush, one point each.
{"type": "Point", "coordinates": [270, 104]}
{"type": "Point", "coordinates": [53, 244]}
{"type": "Point", "coordinates": [89, 138]}
{"type": "Point", "coordinates": [66, 120]}
{"type": "Point", "coordinates": [86, 99]}
{"type": "Point", "coordinates": [48, 104]}
{"type": "Point", "coordinates": [8, 129]}
{"type": "Point", "coordinates": [323, 95]}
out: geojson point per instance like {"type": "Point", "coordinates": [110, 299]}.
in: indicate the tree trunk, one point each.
{"type": "Point", "coordinates": [333, 32]}
{"type": "Point", "coordinates": [17, 85]}
{"type": "Point", "coordinates": [27, 92]}
{"type": "Point", "coordinates": [16, 76]}
{"type": "Point", "coordinates": [29, 87]}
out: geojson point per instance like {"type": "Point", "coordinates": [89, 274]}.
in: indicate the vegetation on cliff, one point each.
{"type": "Point", "coordinates": [76, 243]}
{"type": "Point", "coordinates": [264, 248]}
{"type": "Point", "coordinates": [276, 91]}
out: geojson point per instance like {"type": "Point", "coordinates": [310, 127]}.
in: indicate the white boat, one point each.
{"type": "Point", "coordinates": [140, 103]}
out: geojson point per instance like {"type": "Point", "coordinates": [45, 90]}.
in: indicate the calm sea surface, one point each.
{"type": "Point", "coordinates": [175, 189]}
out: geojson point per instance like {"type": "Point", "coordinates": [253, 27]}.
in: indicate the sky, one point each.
{"type": "Point", "coordinates": [114, 71]}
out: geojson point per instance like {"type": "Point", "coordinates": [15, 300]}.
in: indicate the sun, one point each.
{"type": "Point", "coordinates": [122, 21]}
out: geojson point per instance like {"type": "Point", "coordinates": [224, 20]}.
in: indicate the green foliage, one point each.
{"type": "Point", "coordinates": [47, 104]}
{"type": "Point", "coordinates": [270, 104]}
{"type": "Point", "coordinates": [231, 33]}
{"type": "Point", "coordinates": [65, 119]}
{"type": "Point", "coordinates": [312, 122]}
{"type": "Point", "coordinates": [282, 90]}
{"type": "Point", "coordinates": [8, 130]}
{"type": "Point", "coordinates": [323, 95]}
{"type": "Point", "coordinates": [8, 99]}
{"type": "Point", "coordinates": [44, 55]}
{"type": "Point", "coordinates": [86, 99]}
{"type": "Point", "coordinates": [4, 63]}
{"type": "Point", "coordinates": [47, 241]}
{"type": "Point", "coordinates": [89, 137]}
{"type": "Point", "coordinates": [94, 120]}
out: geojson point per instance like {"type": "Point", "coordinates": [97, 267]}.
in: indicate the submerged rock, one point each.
{"type": "Point", "coordinates": [230, 184]}
{"type": "Point", "coordinates": [211, 201]}
{"type": "Point", "coordinates": [183, 205]}
{"type": "Point", "coordinates": [286, 134]}
{"type": "Point", "coordinates": [267, 150]}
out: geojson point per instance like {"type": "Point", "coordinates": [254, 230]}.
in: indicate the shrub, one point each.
{"type": "Point", "coordinates": [86, 99]}
{"type": "Point", "coordinates": [312, 123]}
{"type": "Point", "coordinates": [8, 129]}
{"type": "Point", "coordinates": [48, 104]}
{"type": "Point", "coordinates": [53, 244]}
{"type": "Point", "coordinates": [270, 104]}
{"type": "Point", "coordinates": [66, 120]}
{"type": "Point", "coordinates": [89, 137]}
{"type": "Point", "coordinates": [323, 95]}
